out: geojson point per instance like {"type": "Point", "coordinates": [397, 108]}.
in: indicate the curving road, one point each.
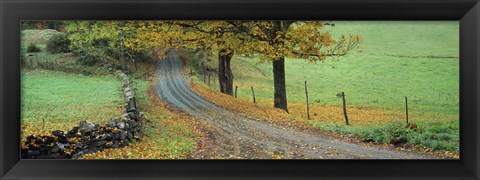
{"type": "Point", "coordinates": [234, 136]}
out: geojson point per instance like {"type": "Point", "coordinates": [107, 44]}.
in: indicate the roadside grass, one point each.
{"type": "Point", "coordinates": [168, 134]}
{"type": "Point", "coordinates": [52, 100]}
{"type": "Point", "coordinates": [248, 108]}
{"type": "Point", "coordinates": [433, 135]}
{"type": "Point", "coordinates": [394, 60]}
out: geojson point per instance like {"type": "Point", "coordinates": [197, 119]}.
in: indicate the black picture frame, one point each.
{"type": "Point", "coordinates": [466, 11]}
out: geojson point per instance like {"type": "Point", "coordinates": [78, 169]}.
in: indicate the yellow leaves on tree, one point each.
{"type": "Point", "coordinates": [271, 40]}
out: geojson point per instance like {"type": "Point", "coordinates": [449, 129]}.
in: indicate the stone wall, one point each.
{"type": "Point", "coordinates": [88, 137]}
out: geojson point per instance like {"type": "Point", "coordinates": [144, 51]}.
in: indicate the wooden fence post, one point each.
{"type": "Point", "coordinates": [406, 108]}
{"type": "Point", "coordinates": [253, 93]}
{"type": "Point", "coordinates": [306, 95]}
{"type": "Point", "coordinates": [236, 87]}
{"type": "Point", "coordinates": [345, 108]}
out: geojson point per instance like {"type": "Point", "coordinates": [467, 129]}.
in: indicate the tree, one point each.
{"type": "Point", "coordinates": [226, 39]}
{"type": "Point", "coordinates": [101, 39]}
{"type": "Point", "coordinates": [272, 40]}
{"type": "Point", "coordinates": [57, 25]}
{"type": "Point", "coordinates": [276, 40]}
{"type": "Point", "coordinates": [219, 36]}
{"type": "Point", "coordinates": [225, 74]}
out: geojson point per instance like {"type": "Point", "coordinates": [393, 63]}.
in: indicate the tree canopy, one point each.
{"type": "Point", "coordinates": [272, 41]}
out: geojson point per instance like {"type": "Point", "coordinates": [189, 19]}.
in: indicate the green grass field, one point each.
{"type": "Point", "coordinates": [59, 97]}
{"type": "Point", "coordinates": [395, 59]}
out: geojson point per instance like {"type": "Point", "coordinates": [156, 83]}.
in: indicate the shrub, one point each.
{"type": "Point", "coordinates": [32, 48]}
{"type": "Point", "coordinates": [87, 59]}
{"type": "Point", "coordinates": [59, 43]}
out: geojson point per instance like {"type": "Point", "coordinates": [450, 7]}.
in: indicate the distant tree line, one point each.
{"type": "Point", "coordinates": [57, 25]}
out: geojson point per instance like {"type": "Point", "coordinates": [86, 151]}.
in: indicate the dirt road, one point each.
{"type": "Point", "coordinates": [234, 136]}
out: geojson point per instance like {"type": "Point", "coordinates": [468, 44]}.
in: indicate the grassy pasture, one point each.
{"type": "Point", "coordinates": [54, 100]}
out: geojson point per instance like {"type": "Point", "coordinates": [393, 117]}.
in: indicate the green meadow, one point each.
{"type": "Point", "coordinates": [56, 97]}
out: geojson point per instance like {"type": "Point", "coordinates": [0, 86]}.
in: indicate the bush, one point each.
{"type": "Point", "coordinates": [59, 43]}
{"type": "Point", "coordinates": [442, 136]}
{"type": "Point", "coordinates": [87, 59]}
{"type": "Point", "coordinates": [32, 48]}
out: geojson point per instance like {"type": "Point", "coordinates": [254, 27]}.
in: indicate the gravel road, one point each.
{"type": "Point", "coordinates": [234, 136]}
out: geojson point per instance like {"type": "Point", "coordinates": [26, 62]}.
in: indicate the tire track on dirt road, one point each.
{"type": "Point", "coordinates": [235, 136]}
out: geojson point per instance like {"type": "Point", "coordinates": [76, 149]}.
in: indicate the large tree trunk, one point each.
{"type": "Point", "coordinates": [225, 75]}
{"type": "Point", "coordinates": [280, 94]}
